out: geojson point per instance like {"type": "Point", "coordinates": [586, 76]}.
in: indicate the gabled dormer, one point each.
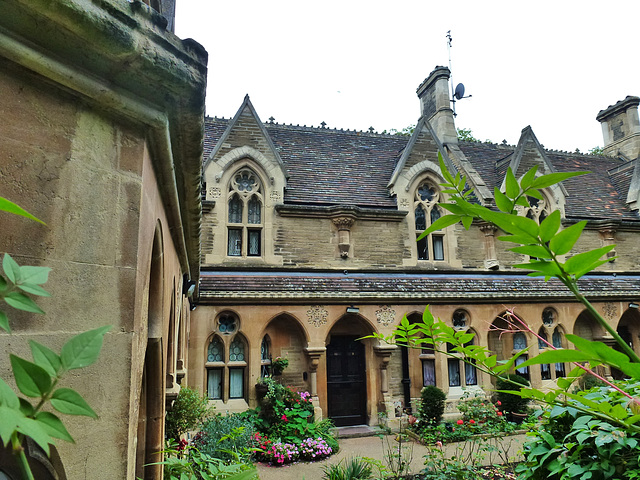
{"type": "Point", "coordinates": [530, 153]}
{"type": "Point", "coordinates": [244, 179]}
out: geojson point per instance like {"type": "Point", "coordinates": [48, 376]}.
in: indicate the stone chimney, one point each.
{"type": "Point", "coordinates": [621, 128]}
{"type": "Point", "coordinates": [435, 104]}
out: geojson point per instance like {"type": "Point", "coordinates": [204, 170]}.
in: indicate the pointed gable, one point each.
{"type": "Point", "coordinates": [420, 155]}
{"type": "Point", "coordinates": [246, 136]}
{"type": "Point", "coordinates": [633, 194]}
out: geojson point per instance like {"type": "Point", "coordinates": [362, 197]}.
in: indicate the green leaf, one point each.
{"type": "Point", "coordinates": [9, 206]}
{"type": "Point", "coordinates": [532, 250]}
{"type": "Point", "coordinates": [548, 269]}
{"type": "Point", "coordinates": [33, 429]}
{"type": "Point", "coordinates": [502, 201]}
{"type": "Point", "coordinates": [561, 355]}
{"type": "Point", "coordinates": [564, 240]}
{"type": "Point", "coordinates": [549, 226]}
{"type": "Point", "coordinates": [439, 224]}
{"type": "Point", "coordinates": [34, 289]}
{"type": "Point", "coordinates": [46, 358]}
{"type": "Point", "coordinates": [427, 317]}
{"type": "Point", "coordinates": [545, 181]}
{"type": "Point", "coordinates": [528, 178]}
{"type": "Point", "coordinates": [19, 301]}
{"type": "Point", "coordinates": [66, 400]}
{"type": "Point", "coordinates": [32, 380]}
{"type": "Point", "coordinates": [4, 322]}
{"type": "Point", "coordinates": [522, 239]}
{"type": "Point", "coordinates": [512, 189]}
{"type": "Point", "coordinates": [26, 408]}
{"type": "Point", "coordinates": [53, 426]}
{"type": "Point", "coordinates": [34, 275]}
{"type": "Point", "coordinates": [582, 262]}
{"type": "Point", "coordinates": [599, 351]}
{"type": "Point", "coordinates": [8, 397]}
{"type": "Point", "coordinates": [11, 268]}
{"type": "Point", "coordinates": [83, 349]}
{"type": "Point", "coordinates": [11, 417]}
{"type": "Point", "coordinates": [527, 226]}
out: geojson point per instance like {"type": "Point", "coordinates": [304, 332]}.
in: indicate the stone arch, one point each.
{"type": "Point", "coordinates": [150, 431]}
{"type": "Point", "coordinates": [587, 327]}
{"type": "Point", "coordinates": [289, 339]}
{"type": "Point", "coordinates": [273, 174]}
{"type": "Point", "coordinates": [629, 329]}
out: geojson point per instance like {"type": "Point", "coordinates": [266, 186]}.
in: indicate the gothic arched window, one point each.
{"type": "Point", "coordinates": [226, 360]}
{"type": "Point", "coordinates": [427, 211]}
{"type": "Point", "coordinates": [244, 218]}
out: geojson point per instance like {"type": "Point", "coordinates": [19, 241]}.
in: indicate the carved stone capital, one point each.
{"type": "Point", "coordinates": [488, 229]}
{"type": "Point", "coordinates": [343, 223]}
{"type": "Point", "coordinates": [314, 354]}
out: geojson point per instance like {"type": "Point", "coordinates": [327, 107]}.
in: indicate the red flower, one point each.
{"type": "Point", "coordinates": [283, 417]}
{"type": "Point", "coordinates": [460, 422]}
{"type": "Point", "coordinates": [499, 413]}
{"type": "Point", "coordinates": [498, 402]}
{"type": "Point", "coordinates": [472, 421]}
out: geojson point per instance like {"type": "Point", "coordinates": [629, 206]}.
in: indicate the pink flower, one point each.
{"type": "Point", "coordinates": [460, 422]}
{"type": "Point", "coordinates": [283, 417]}
{"type": "Point", "coordinates": [498, 402]}
{"type": "Point", "coordinates": [439, 444]}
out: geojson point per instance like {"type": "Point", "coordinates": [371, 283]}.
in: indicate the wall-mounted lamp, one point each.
{"type": "Point", "coordinates": [188, 286]}
{"type": "Point", "coordinates": [634, 305]}
{"type": "Point", "coordinates": [352, 309]}
{"type": "Point", "coordinates": [192, 306]}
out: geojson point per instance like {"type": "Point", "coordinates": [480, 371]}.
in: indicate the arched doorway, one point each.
{"type": "Point", "coordinates": [346, 371]}
{"type": "Point", "coordinates": [151, 410]}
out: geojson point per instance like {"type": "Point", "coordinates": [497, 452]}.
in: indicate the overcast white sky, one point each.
{"type": "Point", "coordinates": [354, 64]}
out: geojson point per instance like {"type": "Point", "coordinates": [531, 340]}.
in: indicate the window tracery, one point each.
{"type": "Point", "coordinates": [426, 212]}
{"type": "Point", "coordinates": [226, 360]}
{"type": "Point", "coordinates": [245, 217]}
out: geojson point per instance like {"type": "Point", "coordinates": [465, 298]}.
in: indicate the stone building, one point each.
{"type": "Point", "coordinates": [101, 138]}
{"type": "Point", "coordinates": [309, 242]}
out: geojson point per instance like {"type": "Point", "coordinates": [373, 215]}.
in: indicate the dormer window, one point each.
{"type": "Point", "coordinates": [427, 211]}
{"type": "Point", "coordinates": [244, 218]}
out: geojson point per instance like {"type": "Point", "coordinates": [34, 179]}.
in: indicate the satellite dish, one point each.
{"type": "Point", "coordinates": [459, 93]}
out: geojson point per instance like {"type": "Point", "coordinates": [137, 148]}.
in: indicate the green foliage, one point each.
{"type": "Point", "coordinates": [226, 437]}
{"type": "Point", "coordinates": [432, 400]}
{"type": "Point", "coordinates": [349, 469]}
{"type": "Point", "coordinates": [38, 379]}
{"type": "Point", "coordinates": [612, 424]}
{"type": "Point", "coordinates": [405, 132]}
{"type": "Point", "coordinates": [465, 135]}
{"type": "Point", "coordinates": [596, 150]}
{"type": "Point", "coordinates": [188, 463]}
{"type": "Point", "coordinates": [512, 402]}
{"type": "Point", "coordinates": [189, 410]}
{"type": "Point", "coordinates": [571, 444]}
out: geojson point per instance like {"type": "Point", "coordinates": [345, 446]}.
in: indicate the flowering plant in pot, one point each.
{"type": "Point", "coordinates": [278, 365]}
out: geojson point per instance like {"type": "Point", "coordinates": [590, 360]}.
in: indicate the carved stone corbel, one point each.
{"type": "Point", "coordinates": [344, 224]}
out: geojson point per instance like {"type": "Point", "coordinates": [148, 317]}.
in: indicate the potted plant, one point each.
{"type": "Point", "coordinates": [278, 365]}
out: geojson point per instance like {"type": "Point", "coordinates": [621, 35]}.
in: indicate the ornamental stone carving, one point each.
{"type": "Point", "coordinates": [385, 315]}
{"type": "Point", "coordinates": [610, 311]}
{"type": "Point", "coordinates": [275, 196]}
{"type": "Point", "coordinates": [344, 224]}
{"type": "Point", "coordinates": [317, 315]}
{"type": "Point", "coordinates": [214, 192]}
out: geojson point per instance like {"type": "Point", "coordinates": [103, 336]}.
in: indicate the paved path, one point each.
{"type": "Point", "coordinates": [374, 447]}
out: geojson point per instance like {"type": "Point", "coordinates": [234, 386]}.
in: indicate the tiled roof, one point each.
{"type": "Point", "coordinates": [279, 287]}
{"type": "Point", "coordinates": [338, 167]}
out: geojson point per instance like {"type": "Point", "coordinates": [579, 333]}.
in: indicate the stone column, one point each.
{"type": "Point", "coordinates": [609, 238]}
{"type": "Point", "coordinates": [490, 257]}
{"type": "Point", "coordinates": [384, 352]}
{"type": "Point", "coordinates": [314, 354]}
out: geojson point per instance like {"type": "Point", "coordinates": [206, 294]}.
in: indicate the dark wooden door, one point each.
{"type": "Point", "coordinates": [346, 385]}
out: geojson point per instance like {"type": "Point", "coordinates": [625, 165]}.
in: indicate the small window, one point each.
{"type": "Point", "coordinates": [236, 382]}
{"type": "Point", "coordinates": [453, 365]}
{"type": "Point", "coordinates": [227, 324]}
{"type": "Point", "coordinates": [214, 383]}
{"type": "Point", "coordinates": [519, 341]}
{"type": "Point", "coordinates": [215, 351]}
{"type": "Point", "coordinates": [236, 351]}
{"type": "Point", "coordinates": [460, 319]}
{"type": "Point", "coordinates": [548, 316]}
{"type": "Point", "coordinates": [428, 372]}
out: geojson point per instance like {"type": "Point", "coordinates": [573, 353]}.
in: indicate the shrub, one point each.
{"type": "Point", "coordinates": [189, 410]}
{"type": "Point", "coordinates": [481, 414]}
{"type": "Point", "coordinates": [314, 449]}
{"type": "Point", "coordinates": [512, 403]}
{"type": "Point", "coordinates": [228, 437]}
{"type": "Point", "coordinates": [431, 405]}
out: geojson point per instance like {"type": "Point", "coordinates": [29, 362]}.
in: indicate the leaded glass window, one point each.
{"type": "Point", "coordinates": [236, 351]}
{"type": "Point", "coordinates": [215, 351]}
{"type": "Point", "coordinates": [245, 209]}
{"type": "Point", "coordinates": [227, 324]}
{"type": "Point", "coordinates": [519, 341]}
{"type": "Point", "coordinates": [426, 212]}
